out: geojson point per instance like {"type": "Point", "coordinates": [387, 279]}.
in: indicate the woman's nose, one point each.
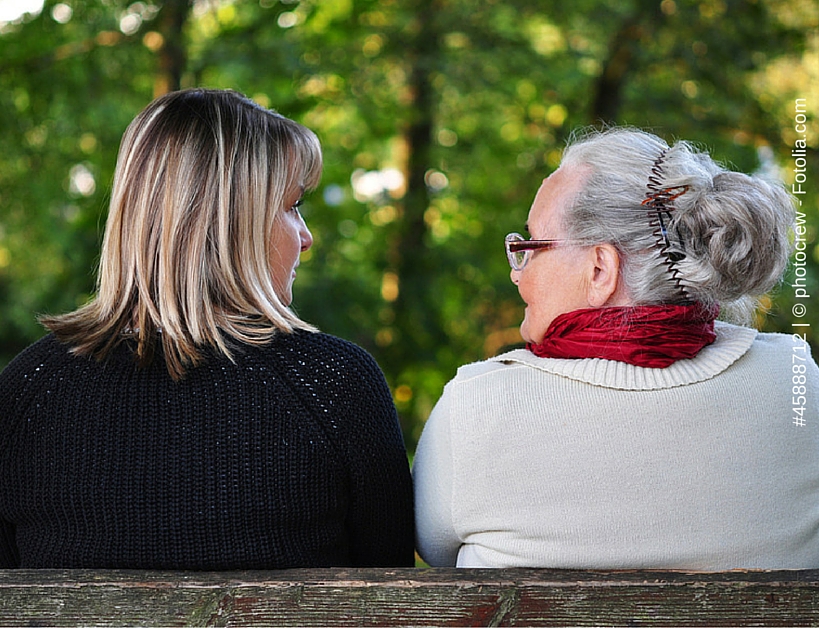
{"type": "Point", "coordinates": [514, 275]}
{"type": "Point", "coordinates": [305, 236]}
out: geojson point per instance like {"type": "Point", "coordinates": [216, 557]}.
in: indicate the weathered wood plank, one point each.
{"type": "Point", "coordinates": [408, 597]}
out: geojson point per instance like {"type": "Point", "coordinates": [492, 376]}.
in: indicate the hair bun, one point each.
{"type": "Point", "coordinates": [736, 232]}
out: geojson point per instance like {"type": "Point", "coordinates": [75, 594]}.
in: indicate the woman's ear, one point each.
{"type": "Point", "coordinates": [604, 287]}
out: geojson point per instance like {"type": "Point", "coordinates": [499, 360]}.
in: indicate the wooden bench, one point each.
{"type": "Point", "coordinates": [408, 597]}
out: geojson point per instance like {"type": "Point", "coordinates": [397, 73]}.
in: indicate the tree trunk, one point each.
{"type": "Point", "coordinates": [172, 58]}
{"type": "Point", "coordinates": [416, 309]}
{"type": "Point", "coordinates": [608, 92]}
{"type": "Point", "coordinates": [609, 87]}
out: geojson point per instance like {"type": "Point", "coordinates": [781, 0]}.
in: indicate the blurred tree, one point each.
{"type": "Point", "coordinates": [171, 46]}
{"type": "Point", "coordinates": [439, 119]}
{"type": "Point", "coordinates": [69, 83]}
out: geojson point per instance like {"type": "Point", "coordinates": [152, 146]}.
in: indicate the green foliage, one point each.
{"type": "Point", "coordinates": [469, 101]}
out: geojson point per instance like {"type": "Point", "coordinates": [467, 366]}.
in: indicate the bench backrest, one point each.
{"type": "Point", "coordinates": [408, 597]}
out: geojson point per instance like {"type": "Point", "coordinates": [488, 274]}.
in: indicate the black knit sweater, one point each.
{"type": "Point", "coordinates": [291, 457]}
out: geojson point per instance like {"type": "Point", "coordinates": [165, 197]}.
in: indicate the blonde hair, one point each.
{"type": "Point", "coordinates": [200, 178]}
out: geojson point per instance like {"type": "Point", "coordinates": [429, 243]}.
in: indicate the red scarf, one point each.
{"type": "Point", "coordinates": [653, 336]}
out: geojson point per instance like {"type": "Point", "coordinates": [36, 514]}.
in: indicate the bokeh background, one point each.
{"type": "Point", "coordinates": [439, 119]}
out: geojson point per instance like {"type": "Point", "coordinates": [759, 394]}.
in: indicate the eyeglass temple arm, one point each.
{"type": "Point", "coordinates": [530, 245]}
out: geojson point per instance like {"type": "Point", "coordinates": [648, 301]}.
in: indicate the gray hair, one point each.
{"type": "Point", "coordinates": [728, 233]}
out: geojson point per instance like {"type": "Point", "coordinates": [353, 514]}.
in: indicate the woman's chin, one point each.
{"type": "Point", "coordinates": [524, 332]}
{"type": "Point", "coordinates": [285, 296]}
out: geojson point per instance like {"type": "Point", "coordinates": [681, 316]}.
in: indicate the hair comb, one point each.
{"type": "Point", "coordinates": [659, 201]}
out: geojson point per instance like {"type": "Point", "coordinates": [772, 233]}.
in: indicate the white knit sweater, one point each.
{"type": "Point", "coordinates": [593, 463]}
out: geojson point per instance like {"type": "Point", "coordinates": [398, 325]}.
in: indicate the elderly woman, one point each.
{"type": "Point", "coordinates": [186, 418]}
{"type": "Point", "coordinates": [634, 431]}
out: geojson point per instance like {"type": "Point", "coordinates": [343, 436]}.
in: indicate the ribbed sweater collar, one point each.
{"type": "Point", "coordinates": [731, 344]}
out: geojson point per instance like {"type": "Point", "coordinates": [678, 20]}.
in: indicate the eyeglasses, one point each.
{"type": "Point", "coordinates": [519, 250]}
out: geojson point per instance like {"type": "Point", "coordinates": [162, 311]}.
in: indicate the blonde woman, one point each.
{"type": "Point", "coordinates": [186, 418]}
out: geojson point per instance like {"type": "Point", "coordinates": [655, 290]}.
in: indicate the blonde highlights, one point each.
{"type": "Point", "coordinates": [200, 178]}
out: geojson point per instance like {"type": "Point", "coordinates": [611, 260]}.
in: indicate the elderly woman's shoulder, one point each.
{"type": "Point", "coordinates": [493, 365]}
{"type": "Point", "coordinates": [779, 343]}
{"type": "Point", "coordinates": [773, 350]}
{"type": "Point", "coordinates": [732, 343]}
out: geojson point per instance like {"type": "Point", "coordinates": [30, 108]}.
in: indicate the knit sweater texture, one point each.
{"type": "Point", "coordinates": [709, 464]}
{"type": "Point", "coordinates": [290, 456]}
